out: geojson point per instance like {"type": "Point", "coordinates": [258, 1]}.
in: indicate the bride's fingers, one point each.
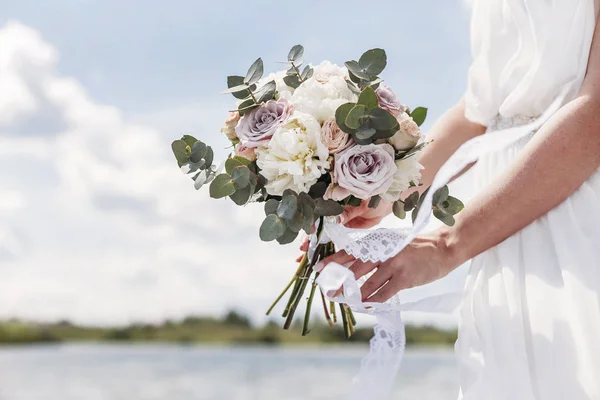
{"type": "Point", "coordinates": [385, 293]}
{"type": "Point", "coordinates": [304, 245]}
{"type": "Point", "coordinates": [376, 281]}
{"type": "Point", "coordinates": [360, 268]}
{"type": "Point", "coordinates": [300, 258]}
{"type": "Point", "coordinates": [341, 257]}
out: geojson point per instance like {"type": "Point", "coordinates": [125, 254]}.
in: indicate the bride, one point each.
{"type": "Point", "coordinates": [530, 315]}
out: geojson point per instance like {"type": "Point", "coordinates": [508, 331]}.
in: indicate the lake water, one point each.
{"type": "Point", "coordinates": [157, 372]}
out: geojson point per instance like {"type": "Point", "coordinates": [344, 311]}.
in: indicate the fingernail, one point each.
{"type": "Point", "coordinates": [319, 266]}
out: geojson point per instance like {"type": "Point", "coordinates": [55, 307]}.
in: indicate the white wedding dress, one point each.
{"type": "Point", "coordinates": [530, 318]}
{"type": "Point", "coordinates": [530, 310]}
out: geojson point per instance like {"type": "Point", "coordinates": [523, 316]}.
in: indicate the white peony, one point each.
{"type": "Point", "coordinates": [409, 170]}
{"type": "Point", "coordinates": [295, 157]}
{"type": "Point", "coordinates": [324, 92]}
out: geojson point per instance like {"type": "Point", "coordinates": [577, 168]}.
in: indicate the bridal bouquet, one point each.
{"type": "Point", "coordinates": [308, 141]}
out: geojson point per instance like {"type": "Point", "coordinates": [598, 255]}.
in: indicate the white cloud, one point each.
{"type": "Point", "coordinates": [96, 223]}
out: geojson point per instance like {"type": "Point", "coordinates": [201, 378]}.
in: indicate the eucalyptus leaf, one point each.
{"type": "Point", "coordinates": [374, 202]}
{"type": "Point", "coordinates": [237, 88]}
{"type": "Point", "coordinates": [373, 61]}
{"type": "Point", "coordinates": [318, 189]}
{"type": "Point", "coordinates": [306, 73]}
{"type": "Point", "coordinates": [190, 140]}
{"type": "Point", "coordinates": [440, 195]}
{"type": "Point", "coordinates": [272, 228]}
{"type": "Point", "coordinates": [292, 81]}
{"type": "Point", "coordinates": [246, 106]}
{"type": "Point", "coordinates": [353, 87]}
{"type": "Point", "coordinates": [354, 201]}
{"type": "Point", "coordinates": [233, 81]}
{"type": "Point", "coordinates": [271, 206]}
{"type": "Point", "coordinates": [399, 210]}
{"type": "Point", "coordinates": [198, 152]}
{"type": "Point", "coordinates": [353, 77]}
{"type": "Point", "coordinates": [266, 92]}
{"type": "Point", "coordinates": [411, 201]}
{"type": "Point", "coordinates": [356, 69]}
{"type": "Point", "coordinates": [382, 120]}
{"type": "Point", "coordinates": [452, 205]}
{"type": "Point", "coordinates": [287, 207]}
{"type": "Point", "coordinates": [355, 116]}
{"type": "Point", "coordinates": [419, 115]}
{"type": "Point", "coordinates": [241, 177]}
{"type": "Point", "coordinates": [296, 53]}
{"type": "Point", "coordinates": [368, 98]}
{"type": "Point", "coordinates": [327, 208]}
{"type": "Point", "coordinates": [442, 216]}
{"type": "Point", "coordinates": [340, 116]}
{"type": "Point", "coordinates": [208, 157]}
{"type": "Point", "coordinates": [295, 223]}
{"type": "Point", "coordinates": [221, 186]}
{"type": "Point", "coordinates": [255, 72]}
{"type": "Point", "coordinates": [179, 148]}
{"type": "Point", "coordinates": [288, 237]}
{"type": "Point", "coordinates": [242, 196]}
{"type": "Point", "coordinates": [364, 133]}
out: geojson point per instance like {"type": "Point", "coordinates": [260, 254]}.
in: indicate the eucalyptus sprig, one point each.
{"type": "Point", "coordinates": [444, 205]}
{"type": "Point", "coordinates": [365, 72]}
{"type": "Point", "coordinates": [245, 89]}
{"type": "Point", "coordinates": [294, 78]}
{"type": "Point", "coordinates": [197, 157]}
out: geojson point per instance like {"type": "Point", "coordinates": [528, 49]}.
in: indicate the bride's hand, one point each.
{"type": "Point", "coordinates": [426, 259]}
{"type": "Point", "coordinates": [360, 217]}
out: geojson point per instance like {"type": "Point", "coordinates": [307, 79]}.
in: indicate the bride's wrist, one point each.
{"type": "Point", "coordinates": [449, 243]}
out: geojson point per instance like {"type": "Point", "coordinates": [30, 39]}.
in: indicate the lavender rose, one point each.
{"type": "Point", "coordinates": [334, 138]}
{"type": "Point", "coordinates": [364, 171]}
{"type": "Point", "coordinates": [389, 101]}
{"type": "Point", "coordinates": [257, 127]}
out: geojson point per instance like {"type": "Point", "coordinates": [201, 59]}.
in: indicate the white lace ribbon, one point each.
{"type": "Point", "coordinates": [380, 367]}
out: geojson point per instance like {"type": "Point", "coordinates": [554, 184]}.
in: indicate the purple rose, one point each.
{"type": "Point", "coordinates": [257, 127]}
{"type": "Point", "coordinates": [363, 171]}
{"type": "Point", "coordinates": [388, 101]}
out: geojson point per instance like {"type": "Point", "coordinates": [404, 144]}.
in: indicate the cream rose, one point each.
{"type": "Point", "coordinates": [408, 134]}
{"type": "Point", "coordinates": [295, 157]}
{"type": "Point", "coordinates": [230, 124]}
{"type": "Point", "coordinates": [334, 138]}
{"type": "Point", "coordinates": [409, 170]}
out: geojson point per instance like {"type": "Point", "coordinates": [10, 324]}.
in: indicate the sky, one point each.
{"type": "Point", "coordinates": [97, 225]}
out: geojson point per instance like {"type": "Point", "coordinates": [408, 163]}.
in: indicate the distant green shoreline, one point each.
{"type": "Point", "coordinates": [234, 328]}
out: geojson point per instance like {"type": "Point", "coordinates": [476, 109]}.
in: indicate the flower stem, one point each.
{"type": "Point", "coordinates": [345, 321]}
{"type": "Point", "coordinates": [282, 294]}
{"type": "Point", "coordinates": [299, 273]}
{"type": "Point", "coordinates": [327, 316]}
{"type": "Point", "coordinates": [305, 329]}
{"type": "Point", "coordinates": [332, 310]}
{"type": "Point", "coordinates": [297, 72]}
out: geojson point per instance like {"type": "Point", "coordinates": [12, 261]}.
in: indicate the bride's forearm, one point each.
{"type": "Point", "coordinates": [449, 132]}
{"type": "Point", "coordinates": [561, 156]}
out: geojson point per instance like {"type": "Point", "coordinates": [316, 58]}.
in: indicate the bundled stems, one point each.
{"type": "Point", "coordinates": [326, 311]}
{"type": "Point", "coordinates": [305, 329]}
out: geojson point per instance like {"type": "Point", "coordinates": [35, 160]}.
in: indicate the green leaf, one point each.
{"type": "Point", "coordinates": [327, 208]}
{"type": "Point", "coordinates": [190, 140]}
{"type": "Point", "coordinates": [385, 134]}
{"type": "Point", "coordinates": [356, 69]}
{"type": "Point", "coordinates": [246, 106]}
{"type": "Point", "coordinates": [255, 72]}
{"type": "Point", "coordinates": [288, 207]}
{"type": "Point", "coordinates": [440, 195]}
{"type": "Point", "coordinates": [271, 206]}
{"type": "Point", "coordinates": [419, 115]}
{"type": "Point", "coordinates": [221, 186]}
{"type": "Point", "coordinates": [354, 201]}
{"type": "Point", "coordinates": [296, 53]}
{"type": "Point", "coordinates": [382, 120]}
{"type": "Point", "coordinates": [236, 89]}
{"type": "Point", "coordinates": [364, 133]}
{"type": "Point", "coordinates": [198, 152]}
{"type": "Point", "coordinates": [288, 237]}
{"type": "Point", "coordinates": [318, 189]}
{"type": "Point", "coordinates": [411, 201]}
{"type": "Point", "coordinates": [292, 81]}
{"type": "Point", "coordinates": [307, 206]}
{"type": "Point", "coordinates": [295, 223]}
{"type": "Point", "coordinates": [179, 148]}
{"type": "Point", "coordinates": [452, 205]}
{"type": "Point", "coordinates": [353, 87]}
{"type": "Point", "coordinates": [442, 216]}
{"type": "Point", "coordinates": [241, 177]}
{"type": "Point", "coordinates": [307, 73]}
{"type": "Point", "coordinates": [355, 116]}
{"type": "Point", "coordinates": [233, 81]}
{"type": "Point", "coordinates": [232, 163]}
{"type": "Point", "coordinates": [374, 202]}
{"type": "Point", "coordinates": [242, 196]}
{"type": "Point", "coordinates": [399, 209]}
{"type": "Point", "coordinates": [373, 61]}
{"type": "Point", "coordinates": [208, 157]}
{"type": "Point", "coordinates": [353, 77]}
{"type": "Point", "coordinates": [340, 116]}
{"type": "Point", "coordinates": [266, 92]}
{"type": "Point", "coordinates": [272, 228]}
{"type": "Point", "coordinates": [368, 98]}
